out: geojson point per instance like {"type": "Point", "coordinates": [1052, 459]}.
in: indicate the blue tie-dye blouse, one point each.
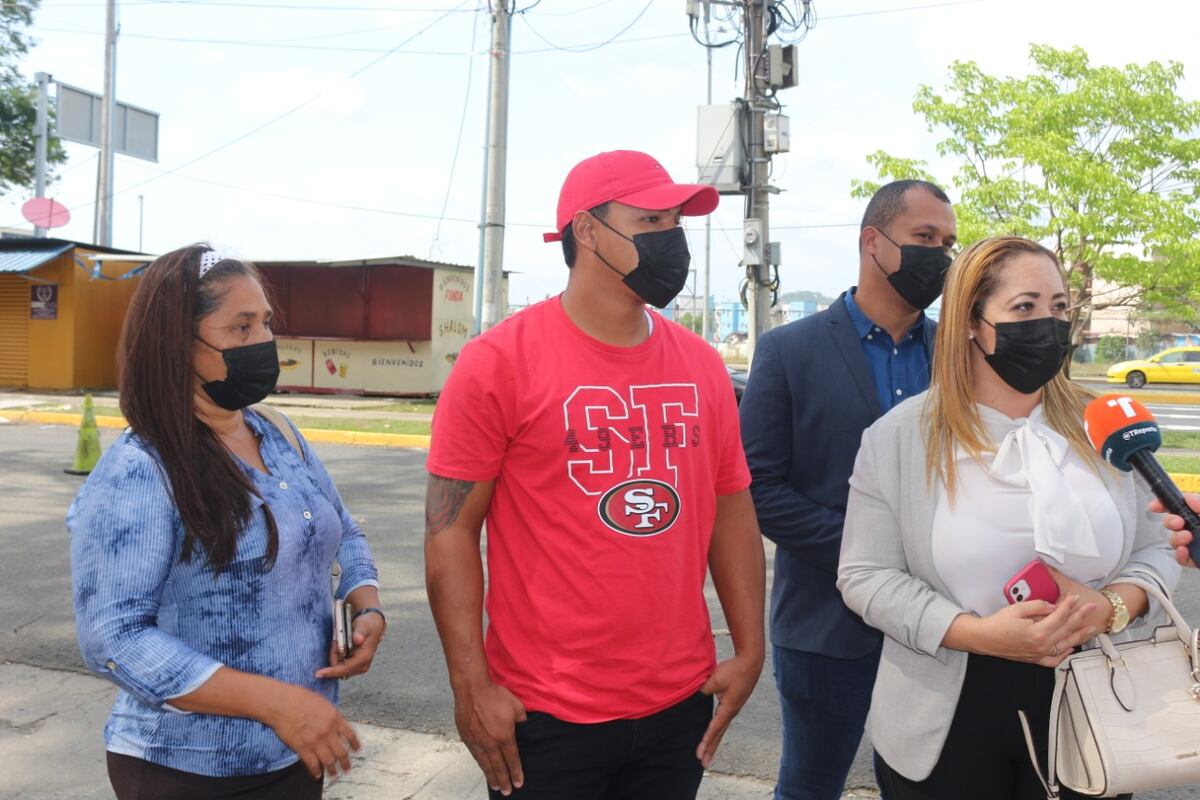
{"type": "Point", "coordinates": [159, 627]}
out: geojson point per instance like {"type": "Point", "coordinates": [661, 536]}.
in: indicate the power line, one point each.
{"type": "Point", "coordinates": [588, 47]}
{"type": "Point", "coordinates": [261, 6]}
{"type": "Point", "coordinates": [344, 206]}
{"type": "Point", "coordinates": [905, 8]}
{"type": "Point", "coordinates": [335, 49]}
{"type": "Point", "coordinates": [278, 117]}
{"type": "Point", "coordinates": [407, 214]}
{"type": "Point", "coordinates": [462, 123]}
{"type": "Point", "coordinates": [279, 45]}
{"type": "Point", "coordinates": [299, 7]}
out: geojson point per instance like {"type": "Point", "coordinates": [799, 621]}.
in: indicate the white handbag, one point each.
{"type": "Point", "coordinates": [1126, 717]}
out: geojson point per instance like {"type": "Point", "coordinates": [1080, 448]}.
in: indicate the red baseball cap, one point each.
{"type": "Point", "coordinates": [628, 177]}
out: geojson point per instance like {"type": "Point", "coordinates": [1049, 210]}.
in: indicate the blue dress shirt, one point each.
{"type": "Point", "coordinates": [900, 370]}
{"type": "Point", "coordinates": [159, 627]}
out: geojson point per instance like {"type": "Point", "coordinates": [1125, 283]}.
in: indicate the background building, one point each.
{"type": "Point", "coordinates": [62, 304]}
{"type": "Point", "coordinates": [391, 326]}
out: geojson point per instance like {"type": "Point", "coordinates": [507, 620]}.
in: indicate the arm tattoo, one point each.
{"type": "Point", "coordinates": [444, 499]}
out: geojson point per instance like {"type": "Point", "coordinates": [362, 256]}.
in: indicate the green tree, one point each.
{"type": "Point", "coordinates": [1099, 163]}
{"type": "Point", "coordinates": [1148, 343]}
{"type": "Point", "coordinates": [693, 322]}
{"type": "Point", "coordinates": [1110, 349]}
{"type": "Point", "coordinates": [18, 101]}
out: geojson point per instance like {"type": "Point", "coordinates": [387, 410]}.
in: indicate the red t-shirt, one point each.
{"type": "Point", "coordinates": [608, 462]}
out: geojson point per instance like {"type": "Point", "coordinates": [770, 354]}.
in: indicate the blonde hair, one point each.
{"type": "Point", "coordinates": [951, 418]}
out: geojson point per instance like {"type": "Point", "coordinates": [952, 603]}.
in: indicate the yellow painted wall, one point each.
{"type": "Point", "coordinates": [78, 350]}
{"type": "Point", "coordinates": [14, 330]}
{"type": "Point", "coordinates": [100, 312]}
{"type": "Point", "coordinates": [51, 341]}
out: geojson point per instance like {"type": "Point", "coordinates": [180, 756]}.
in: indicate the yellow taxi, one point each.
{"type": "Point", "coordinates": [1173, 365]}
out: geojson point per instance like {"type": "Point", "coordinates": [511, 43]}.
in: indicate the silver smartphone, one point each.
{"type": "Point", "coordinates": [343, 612]}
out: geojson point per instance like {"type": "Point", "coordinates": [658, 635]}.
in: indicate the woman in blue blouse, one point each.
{"type": "Point", "coordinates": [201, 554]}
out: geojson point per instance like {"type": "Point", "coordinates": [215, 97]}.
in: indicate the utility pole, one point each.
{"type": "Point", "coordinates": [706, 320]}
{"type": "Point", "coordinates": [497, 152]}
{"type": "Point", "coordinates": [102, 228]}
{"type": "Point", "coordinates": [42, 143]}
{"type": "Point", "coordinates": [756, 230]}
{"type": "Point", "coordinates": [480, 264]}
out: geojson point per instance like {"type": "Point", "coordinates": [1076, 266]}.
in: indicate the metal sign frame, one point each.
{"type": "Point", "coordinates": [79, 121]}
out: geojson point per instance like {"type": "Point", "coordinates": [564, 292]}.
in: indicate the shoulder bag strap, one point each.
{"type": "Point", "coordinates": [1049, 780]}
{"type": "Point", "coordinates": [280, 422]}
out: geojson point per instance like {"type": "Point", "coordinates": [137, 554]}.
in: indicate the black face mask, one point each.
{"type": "Point", "coordinates": [662, 268]}
{"type": "Point", "coordinates": [921, 275]}
{"type": "Point", "coordinates": [1029, 353]}
{"type": "Point", "coordinates": [253, 371]}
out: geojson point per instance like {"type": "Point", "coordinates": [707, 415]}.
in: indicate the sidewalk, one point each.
{"type": "Point", "coordinates": [369, 407]}
{"type": "Point", "coordinates": [306, 404]}
{"type": "Point", "coordinates": [52, 747]}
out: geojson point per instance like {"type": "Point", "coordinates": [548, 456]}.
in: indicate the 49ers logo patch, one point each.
{"type": "Point", "coordinates": [640, 507]}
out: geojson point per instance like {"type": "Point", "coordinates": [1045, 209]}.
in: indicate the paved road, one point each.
{"type": "Point", "coordinates": [384, 489]}
{"type": "Point", "coordinates": [1175, 417]}
{"type": "Point", "coordinates": [1102, 385]}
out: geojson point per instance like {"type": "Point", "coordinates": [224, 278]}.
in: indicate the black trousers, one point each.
{"type": "Point", "coordinates": [652, 758]}
{"type": "Point", "coordinates": [138, 779]}
{"type": "Point", "coordinates": [985, 757]}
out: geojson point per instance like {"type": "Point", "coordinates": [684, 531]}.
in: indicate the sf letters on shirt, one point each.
{"type": "Point", "coordinates": [622, 448]}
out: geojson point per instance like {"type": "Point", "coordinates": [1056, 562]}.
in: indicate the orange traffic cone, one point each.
{"type": "Point", "coordinates": [87, 448]}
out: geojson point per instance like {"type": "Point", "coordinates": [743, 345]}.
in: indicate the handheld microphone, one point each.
{"type": "Point", "coordinates": [1125, 434]}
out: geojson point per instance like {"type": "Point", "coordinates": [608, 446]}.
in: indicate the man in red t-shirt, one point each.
{"type": "Point", "coordinates": [601, 444]}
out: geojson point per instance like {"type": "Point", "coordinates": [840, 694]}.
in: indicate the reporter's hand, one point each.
{"type": "Point", "coordinates": [732, 682]}
{"type": "Point", "coordinates": [1180, 536]}
{"type": "Point", "coordinates": [313, 727]}
{"type": "Point", "coordinates": [487, 715]}
{"type": "Point", "coordinates": [367, 635]}
{"type": "Point", "coordinates": [1035, 631]}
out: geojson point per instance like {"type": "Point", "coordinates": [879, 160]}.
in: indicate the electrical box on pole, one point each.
{"type": "Point", "coordinates": [777, 137]}
{"type": "Point", "coordinates": [783, 66]}
{"type": "Point", "coordinates": [752, 238]}
{"type": "Point", "coordinates": [720, 149]}
{"type": "Point", "coordinates": [735, 143]}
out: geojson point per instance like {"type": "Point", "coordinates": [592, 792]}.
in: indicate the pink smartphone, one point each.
{"type": "Point", "coordinates": [1032, 582]}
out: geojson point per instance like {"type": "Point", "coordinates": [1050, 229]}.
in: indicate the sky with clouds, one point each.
{"type": "Point", "coordinates": [355, 128]}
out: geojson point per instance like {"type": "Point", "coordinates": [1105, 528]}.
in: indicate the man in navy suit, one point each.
{"type": "Point", "coordinates": [815, 386]}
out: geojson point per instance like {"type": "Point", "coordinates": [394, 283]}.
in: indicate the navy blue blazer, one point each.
{"type": "Point", "coordinates": [809, 398]}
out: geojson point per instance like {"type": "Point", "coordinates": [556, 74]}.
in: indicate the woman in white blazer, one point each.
{"type": "Point", "coordinates": [953, 493]}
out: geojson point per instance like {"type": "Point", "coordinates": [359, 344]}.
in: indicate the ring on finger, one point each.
{"type": "Point", "coordinates": [1054, 650]}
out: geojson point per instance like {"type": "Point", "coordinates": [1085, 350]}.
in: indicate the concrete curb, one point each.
{"type": "Point", "coordinates": [366, 439]}
{"type": "Point", "coordinates": [321, 435]}
{"type": "Point", "coordinates": [1142, 396]}
{"type": "Point", "coordinates": [1178, 398]}
{"type": "Point", "coordinates": [1185, 481]}
{"type": "Point", "coordinates": [60, 418]}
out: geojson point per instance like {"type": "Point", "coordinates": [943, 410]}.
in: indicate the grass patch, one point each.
{"type": "Point", "coordinates": [1181, 440]}
{"type": "Point", "coordinates": [409, 406]}
{"type": "Point", "coordinates": [1180, 464]}
{"type": "Point", "coordinates": [1089, 370]}
{"type": "Point", "coordinates": [418, 427]}
{"type": "Point", "coordinates": [75, 408]}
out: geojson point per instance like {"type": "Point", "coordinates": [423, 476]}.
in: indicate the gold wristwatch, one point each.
{"type": "Point", "coordinates": [1120, 612]}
